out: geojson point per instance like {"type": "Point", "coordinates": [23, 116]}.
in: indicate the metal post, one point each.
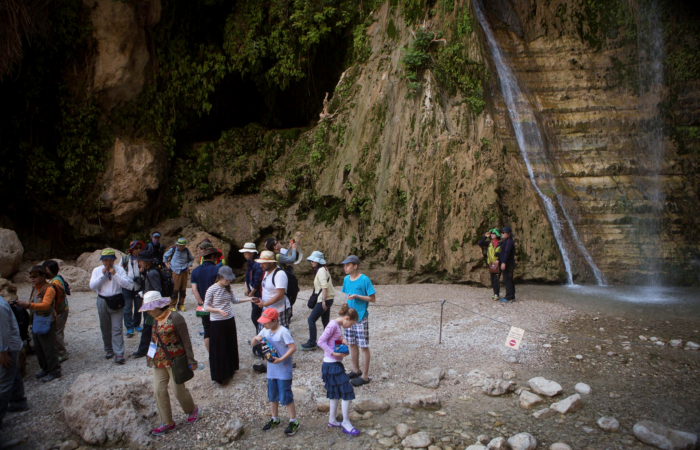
{"type": "Point", "coordinates": [442, 308]}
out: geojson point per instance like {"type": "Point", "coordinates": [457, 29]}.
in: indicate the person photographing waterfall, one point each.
{"type": "Point", "coordinates": [507, 260]}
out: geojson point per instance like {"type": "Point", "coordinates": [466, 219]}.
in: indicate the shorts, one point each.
{"type": "Point", "coordinates": [283, 319]}
{"type": "Point", "coordinates": [206, 322]}
{"type": "Point", "coordinates": [358, 334]}
{"type": "Point", "coordinates": [280, 391]}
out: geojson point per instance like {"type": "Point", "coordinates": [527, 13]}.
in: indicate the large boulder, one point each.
{"type": "Point", "coordinates": [172, 229]}
{"type": "Point", "coordinates": [660, 436]}
{"type": "Point", "coordinates": [11, 252]}
{"type": "Point", "coordinates": [122, 51]}
{"type": "Point", "coordinates": [133, 171]}
{"type": "Point", "coordinates": [77, 278]}
{"type": "Point", "coordinates": [89, 260]}
{"type": "Point", "coordinates": [108, 408]}
{"type": "Point", "coordinates": [8, 291]}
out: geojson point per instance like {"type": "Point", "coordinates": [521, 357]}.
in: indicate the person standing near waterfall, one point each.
{"type": "Point", "coordinates": [507, 261]}
{"type": "Point", "coordinates": [493, 249]}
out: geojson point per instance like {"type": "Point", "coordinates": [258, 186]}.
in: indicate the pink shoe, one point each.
{"type": "Point", "coordinates": [194, 415]}
{"type": "Point", "coordinates": [163, 429]}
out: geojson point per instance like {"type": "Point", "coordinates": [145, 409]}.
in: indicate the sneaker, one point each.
{"type": "Point", "coordinates": [139, 329]}
{"type": "Point", "coordinates": [292, 428]}
{"type": "Point", "coordinates": [109, 355]}
{"type": "Point", "coordinates": [505, 300]}
{"type": "Point", "coordinates": [272, 423]}
{"type": "Point", "coordinates": [173, 309]}
{"type": "Point", "coordinates": [138, 355]}
{"type": "Point", "coordinates": [309, 346]}
{"type": "Point", "coordinates": [494, 297]}
{"type": "Point", "coordinates": [120, 360]}
{"type": "Point", "coordinates": [41, 374]}
{"type": "Point", "coordinates": [18, 407]}
{"type": "Point", "coordinates": [129, 332]}
{"type": "Point", "coordinates": [51, 377]}
{"type": "Point", "coordinates": [193, 416]}
{"type": "Point", "coordinates": [181, 308]}
{"type": "Point", "coordinates": [260, 368]}
{"type": "Point", "coordinates": [63, 357]}
{"type": "Point", "coordinates": [163, 429]}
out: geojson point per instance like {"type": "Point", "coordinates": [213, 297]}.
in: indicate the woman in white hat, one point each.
{"type": "Point", "coordinates": [170, 339]}
{"type": "Point", "coordinates": [253, 280]}
{"type": "Point", "coordinates": [223, 337]}
{"type": "Point", "coordinates": [324, 292]}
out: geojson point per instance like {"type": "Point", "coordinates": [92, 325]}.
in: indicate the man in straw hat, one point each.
{"type": "Point", "coordinates": [253, 279]}
{"type": "Point", "coordinates": [203, 277]}
{"type": "Point", "coordinates": [108, 280]}
{"type": "Point", "coordinates": [179, 260]}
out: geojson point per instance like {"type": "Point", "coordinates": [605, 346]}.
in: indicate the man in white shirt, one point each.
{"type": "Point", "coordinates": [108, 280]}
{"type": "Point", "coordinates": [274, 290]}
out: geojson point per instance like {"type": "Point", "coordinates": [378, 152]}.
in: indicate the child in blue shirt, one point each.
{"type": "Point", "coordinates": [360, 292]}
{"type": "Point", "coordinates": [279, 369]}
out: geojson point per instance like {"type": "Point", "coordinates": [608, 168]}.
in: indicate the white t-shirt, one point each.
{"type": "Point", "coordinates": [269, 290]}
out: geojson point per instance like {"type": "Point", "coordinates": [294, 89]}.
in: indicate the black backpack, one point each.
{"type": "Point", "coordinates": [292, 283]}
{"type": "Point", "coordinates": [166, 280]}
{"type": "Point", "coordinates": [22, 317]}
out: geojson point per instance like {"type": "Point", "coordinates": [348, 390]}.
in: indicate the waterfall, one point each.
{"type": "Point", "coordinates": [651, 84]}
{"type": "Point", "coordinates": [532, 148]}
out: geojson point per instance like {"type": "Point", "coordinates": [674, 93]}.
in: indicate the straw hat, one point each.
{"type": "Point", "coordinates": [248, 247]}
{"type": "Point", "coordinates": [266, 257]}
{"type": "Point", "coordinates": [153, 300]}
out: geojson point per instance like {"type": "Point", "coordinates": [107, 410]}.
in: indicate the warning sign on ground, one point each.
{"type": "Point", "coordinates": [515, 335]}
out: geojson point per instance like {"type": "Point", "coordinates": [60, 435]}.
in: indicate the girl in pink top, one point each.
{"type": "Point", "coordinates": [337, 382]}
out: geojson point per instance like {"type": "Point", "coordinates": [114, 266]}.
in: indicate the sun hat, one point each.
{"type": "Point", "coordinates": [211, 251]}
{"type": "Point", "coordinates": [495, 231]}
{"type": "Point", "coordinates": [249, 247]}
{"type": "Point", "coordinates": [317, 257]}
{"type": "Point", "coordinates": [266, 257]}
{"type": "Point", "coordinates": [155, 234]}
{"type": "Point", "coordinates": [506, 230]}
{"type": "Point", "coordinates": [39, 268]}
{"type": "Point", "coordinates": [226, 273]}
{"type": "Point", "coordinates": [145, 255]}
{"type": "Point", "coordinates": [181, 241]}
{"type": "Point", "coordinates": [268, 315]}
{"type": "Point", "coordinates": [351, 259]}
{"type": "Point", "coordinates": [108, 253]}
{"type": "Point", "coordinates": [133, 244]}
{"type": "Point", "coordinates": [204, 245]}
{"type": "Point", "coordinates": [153, 300]}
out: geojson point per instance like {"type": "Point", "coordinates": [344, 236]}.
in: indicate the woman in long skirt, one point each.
{"type": "Point", "coordinates": [223, 340]}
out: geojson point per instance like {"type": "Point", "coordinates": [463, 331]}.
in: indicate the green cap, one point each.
{"type": "Point", "coordinates": [182, 241]}
{"type": "Point", "coordinates": [108, 253]}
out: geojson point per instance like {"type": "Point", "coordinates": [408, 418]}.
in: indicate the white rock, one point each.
{"type": "Point", "coordinates": [477, 378]}
{"type": "Point", "coordinates": [559, 446]}
{"type": "Point", "coordinates": [642, 338]}
{"type": "Point", "coordinates": [11, 252]}
{"type": "Point", "coordinates": [691, 346]}
{"type": "Point", "coordinates": [508, 375]}
{"type": "Point", "coordinates": [659, 343]}
{"type": "Point", "coordinates": [364, 404]}
{"type": "Point", "coordinates": [544, 413]}
{"type": "Point", "coordinates": [544, 387]}
{"type": "Point", "coordinates": [522, 441]}
{"type": "Point", "coordinates": [403, 430]}
{"type": "Point", "coordinates": [582, 388]}
{"type": "Point", "coordinates": [676, 343]}
{"type": "Point", "coordinates": [495, 387]}
{"type": "Point", "coordinates": [302, 395]}
{"type": "Point", "coordinates": [528, 399]}
{"type": "Point", "coordinates": [608, 424]}
{"type": "Point", "coordinates": [498, 443]}
{"type": "Point", "coordinates": [547, 345]}
{"type": "Point", "coordinates": [233, 429]}
{"type": "Point", "coordinates": [653, 339]}
{"type": "Point", "coordinates": [579, 357]}
{"type": "Point", "coordinates": [386, 442]}
{"type": "Point", "coordinates": [482, 439]}
{"type": "Point", "coordinates": [588, 430]}
{"type": "Point", "coordinates": [428, 378]}
{"type": "Point", "coordinates": [476, 447]}
{"type": "Point", "coordinates": [452, 373]}
{"type": "Point", "coordinates": [69, 445]}
{"type": "Point", "coordinates": [569, 404]}
{"type": "Point", "coordinates": [418, 440]}
{"type": "Point", "coordinates": [660, 436]}
{"type": "Point", "coordinates": [422, 401]}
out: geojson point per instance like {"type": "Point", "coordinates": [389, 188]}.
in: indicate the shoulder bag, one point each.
{"type": "Point", "coordinates": [41, 324]}
{"type": "Point", "coordinates": [494, 267]}
{"type": "Point", "coordinates": [179, 366]}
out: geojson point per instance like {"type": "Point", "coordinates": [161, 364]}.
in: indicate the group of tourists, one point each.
{"type": "Point", "coordinates": [145, 293]}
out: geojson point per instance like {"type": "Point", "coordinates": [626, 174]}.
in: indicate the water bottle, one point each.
{"type": "Point", "coordinates": [199, 366]}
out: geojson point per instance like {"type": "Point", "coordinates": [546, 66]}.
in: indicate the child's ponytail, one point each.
{"type": "Point", "coordinates": [346, 311]}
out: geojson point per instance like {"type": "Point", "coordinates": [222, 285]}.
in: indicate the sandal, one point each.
{"type": "Point", "coordinates": [354, 374]}
{"type": "Point", "coordinates": [359, 381]}
{"type": "Point", "coordinates": [353, 432]}
{"type": "Point", "coordinates": [330, 425]}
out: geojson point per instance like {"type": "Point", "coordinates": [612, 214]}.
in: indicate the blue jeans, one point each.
{"type": "Point", "coordinates": [132, 316]}
{"type": "Point", "coordinates": [11, 386]}
{"type": "Point", "coordinates": [313, 318]}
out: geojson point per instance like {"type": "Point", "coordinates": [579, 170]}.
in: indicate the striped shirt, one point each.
{"type": "Point", "coordinates": [218, 297]}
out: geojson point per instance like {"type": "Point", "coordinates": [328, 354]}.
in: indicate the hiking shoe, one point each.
{"type": "Point", "coordinates": [494, 297]}
{"type": "Point", "coordinates": [292, 428]}
{"type": "Point", "coordinates": [41, 374]}
{"type": "Point", "coordinates": [173, 309]}
{"type": "Point", "coordinates": [119, 360]}
{"type": "Point", "coordinates": [309, 346]}
{"type": "Point", "coordinates": [193, 416]}
{"type": "Point", "coordinates": [354, 374]}
{"type": "Point", "coordinates": [18, 407]}
{"type": "Point", "coordinates": [51, 377]}
{"type": "Point", "coordinates": [63, 357]}
{"type": "Point", "coordinates": [129, 332]}
{"type": "Point", "coordinates": [138, 355]}
{"type": "Point", "coordinates": [260, 368]}
{"type": "Point", "coordinates": [272, 423]}
{"type": "Point", "coordinates": [109, 355]}
{"type": "Point", "coordinates": [505, 300]}
{"type": "Point", "coordinates": [139, 329]}
{"type": "Point", "coordinates": [181, 308]}
{"type": "Point", "coordinates": [359, 381]}
{"type": "Point", "coordinates": [163, 429]}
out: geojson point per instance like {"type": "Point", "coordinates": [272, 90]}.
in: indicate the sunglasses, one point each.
{"type": "Point", "coordinates": [34, 276]}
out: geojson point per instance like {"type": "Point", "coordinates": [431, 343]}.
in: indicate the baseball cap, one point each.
{"type": "Point", "coordinates": [227, 273]}
{"type": "Point", "coordinates": [268, 315]}
{"type": "Point", "coordinates": [351, 259]}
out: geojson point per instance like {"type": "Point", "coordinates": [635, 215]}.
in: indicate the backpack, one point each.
{"type": "Point", "coordinates": [66, 286]}
{"type": "Point", "coordinates": [125, 263]}
{"type": "Point", "coordinates": [22, 317]}
{"type": "Point", "coordinates": [292, 284]}
{"type": "Point", "coordinates": [189, 254]}
{"type": "Point", "coordinates": [166, 280]}
{"type": "Point", "coordinates": [59, 304]}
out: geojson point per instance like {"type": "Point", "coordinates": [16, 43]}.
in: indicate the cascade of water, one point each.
{"type": "Point", "coordinates": [532, 148]}
{"type": "Point", "coordinates": [651, 81]}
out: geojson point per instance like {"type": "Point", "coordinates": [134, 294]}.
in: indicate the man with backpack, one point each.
{"type": "Point", "coordinates": [43, 317]}
{"type": "Point", "coordinates": [179, 260]}
{"type": "Point", "coordinates": [132, 299]}
{"type": "Point", "coordinates": [153, 280]}
{"type": "Point", "coordinates": [285, 263]}
{"type": "Point", "coordinates": [61, 308]}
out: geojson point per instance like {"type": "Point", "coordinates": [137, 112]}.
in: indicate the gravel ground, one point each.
{"type": "Point", "coordinates": [647, 382]}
